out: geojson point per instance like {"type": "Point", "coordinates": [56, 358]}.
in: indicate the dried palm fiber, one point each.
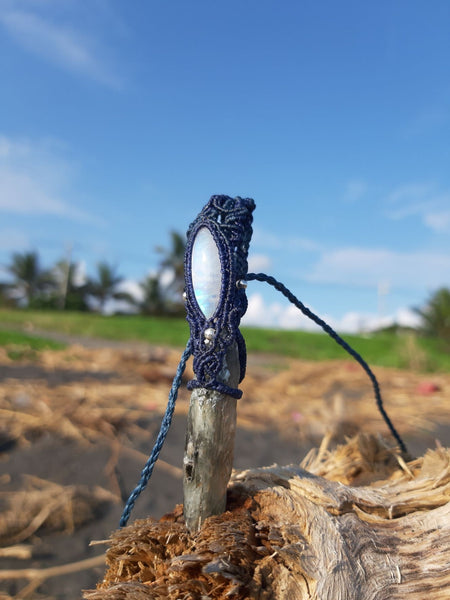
{"type": "Point", "coordinates": [66, 413]}
{"type": "Point", "coordinates": [85, 409]}
{"type": "Point", "coordinates": [80, 394]}
{"type": "Point", "coordinates": [294, 534]}
{"type": "Point", "coordinates": [44, 505]}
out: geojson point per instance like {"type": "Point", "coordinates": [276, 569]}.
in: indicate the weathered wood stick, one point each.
{"type": "Point", "coordinates": [209, 448]}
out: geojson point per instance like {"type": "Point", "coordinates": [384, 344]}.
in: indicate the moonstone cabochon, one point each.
{"type": "Point", "coordinates": [206, 272]}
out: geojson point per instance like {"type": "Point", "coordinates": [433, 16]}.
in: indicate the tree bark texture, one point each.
{"type": "Point", "coordinates": [353, 524]}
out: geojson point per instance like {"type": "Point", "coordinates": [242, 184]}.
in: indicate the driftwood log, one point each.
{"type": "Point", "coordinates": [356, 523]}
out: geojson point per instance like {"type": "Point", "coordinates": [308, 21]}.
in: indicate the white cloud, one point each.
{"type": "Point", "coordinates": [410, 193]}
{"type": "Point", "coordinates": [258, 262]}
{"type": "Point", "coordinates": [113, 307]}
{"type": "Point", "coordinates": [132, 287]}
{"type": "Point", "coordinates": [367, 267]}
{"type": "Point", "coordinates": [301, 243]}
{"type": "Point", "coordinates": [40, 29]}
{"type": "Point", "coordinates": [266, 239]}
{"type": "Point", "coordinates": [79, 276]}
{"type": "Point", "coordinates": [287, 316]}
{"type": "Point", "coordinates": [129, 286]}
{"type": "Point", "coordinates": [20, 194]}
{"type": "Point", "coordinates": [429, 119]}
{"type": "Point", "coordinates": [34, 179]}
{"type": "Point", "coordinates": [13, 239]}
{"type": "Point", "coordinates": [407, 318]}
{"type": "Point", "coordinates": [438, 221]}
{"type": "Point", "coordinates": [276, 315]}
{"type": "Point", "coordinates": [355, 190]}
{"type": "Point", "coordinates": [355, 322]}
{"type": "Point", "coordinates": [166, 277]}
{"type": "Point", "coordinates": [423, 200]}
{"type": "Point", "coordinates": [270, 241]}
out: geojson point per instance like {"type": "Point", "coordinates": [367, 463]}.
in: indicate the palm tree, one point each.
{"type": "Point", "coordinates": [71, 295]}
{"type": "Point", "coordinates": [153, 302]}
{"type": "Point", "coordinates": [30, 280]}
{"type": "Point", "coordinates": [173, 261]}
{"type": "Point", "coordinates": [436, 315]}
{"type": "Point", "coordinates": [5, 296]}
{"type": "Point", "coordinates": [104, 286]}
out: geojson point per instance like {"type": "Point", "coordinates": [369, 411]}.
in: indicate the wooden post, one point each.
{"type": "Point", "coordinates": [209, 448]}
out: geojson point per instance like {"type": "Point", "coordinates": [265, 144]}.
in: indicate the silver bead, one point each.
{"type": "Point", "coordinates": [241, 284]}
{"type": "Point", "coordinates": [209, 334]}
{"type": "Point", "coordinates": [184, 296]}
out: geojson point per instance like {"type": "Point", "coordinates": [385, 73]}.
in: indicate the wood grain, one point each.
{"type": "Point", "coordinates": [291, 533]}
{"type": "Point", "coordinates": [209, 447]}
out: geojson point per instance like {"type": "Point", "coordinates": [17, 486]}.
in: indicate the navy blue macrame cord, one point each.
{"type": "Point", "coordinates": [164, 429]}
{"type": "Point", "coordinates": [306, 311]}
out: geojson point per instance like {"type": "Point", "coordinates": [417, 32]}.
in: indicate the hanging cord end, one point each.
{"type": "Point", "coordinates": [337, 338]}
{"type": "Point", "coordinates": [164, 429]}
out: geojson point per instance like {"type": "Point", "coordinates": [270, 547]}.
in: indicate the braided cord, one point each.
{"type": "Point", "coordinates": [306, 311]}
{"type": "Point", "coordinates": [164, 429]}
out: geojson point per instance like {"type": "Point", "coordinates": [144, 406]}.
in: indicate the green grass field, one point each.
{"type": "Point", "coordinates": [405, 350]}
{"type": "Point", "coordinates": [20, 345]}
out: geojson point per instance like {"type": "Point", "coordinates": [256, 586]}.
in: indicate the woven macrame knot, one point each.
{"type": "Point", "coordinates": [224, 224]}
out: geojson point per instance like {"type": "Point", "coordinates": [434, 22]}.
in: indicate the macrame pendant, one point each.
{"type": "Point", "coordinates": [215, 269]}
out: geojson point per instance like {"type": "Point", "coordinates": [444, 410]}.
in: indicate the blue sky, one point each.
{"type": "Point", "coordinates": [118, 120]}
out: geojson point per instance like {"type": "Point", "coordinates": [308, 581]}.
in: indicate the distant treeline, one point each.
{"type": "Point", "coordinates": [63, 287]}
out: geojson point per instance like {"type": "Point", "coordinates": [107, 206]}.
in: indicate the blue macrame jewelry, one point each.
{"type": "Point", "coordinates": [215, 268]}
{"type": "Point", "coordinates": [215, 302]}
{"type": "Point", "coordinates": [216, 278]}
